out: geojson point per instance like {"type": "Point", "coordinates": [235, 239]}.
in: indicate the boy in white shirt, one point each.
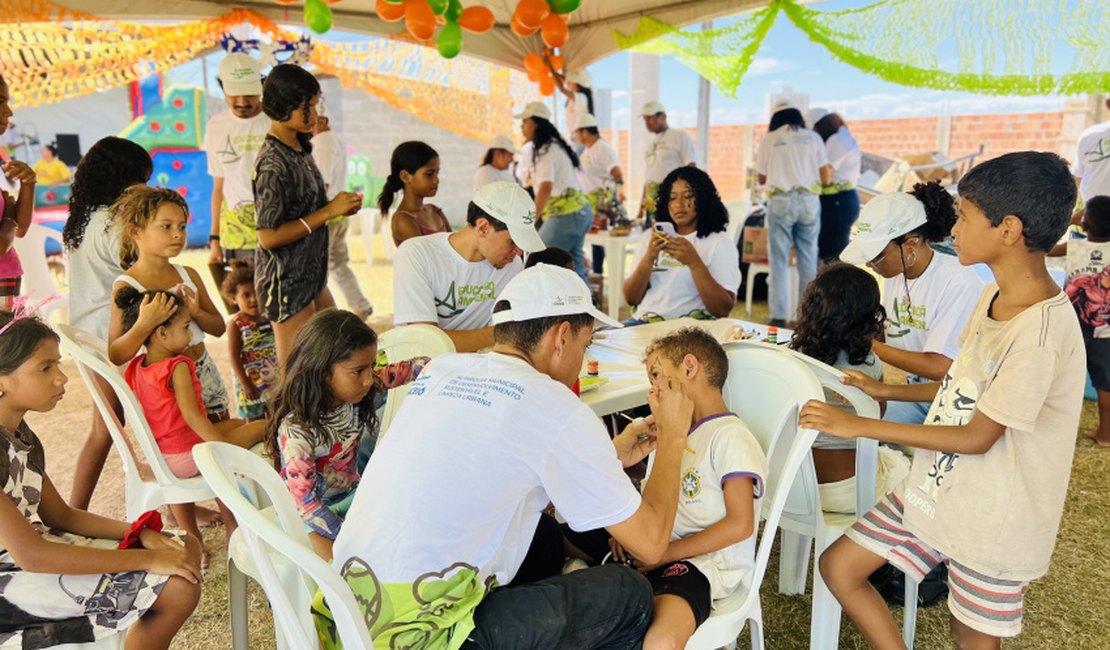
{"type": "Point", "coordinates": [986, 490]}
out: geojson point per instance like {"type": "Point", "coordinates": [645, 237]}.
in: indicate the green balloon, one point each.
{"type": "Point", "coordinates": [449, 41]}
{"type": "Point", "coordinates": [454, 11]}
{"type": "Point", "coordinates": [564, 6]}
{"type": "Point", "coordinates": [439, 7]}
{"type": "Point", "coordinates": [317, 16]}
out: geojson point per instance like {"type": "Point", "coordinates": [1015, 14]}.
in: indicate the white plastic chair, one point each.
{"type": "Point", "coordinates": [114, 642]}
{"type": "Point", "coordinates": [405, 342]}
{"type": "Point", "coordinates": [755, 270]}
{"type": "Point", "coordinates": [142, 492]}
{"type": "Point", "coordinates": [766, 389]}
{"type": "Point", "coordinates": [38, 281]}
{"type": "Point", "coordinates": [278, 542]}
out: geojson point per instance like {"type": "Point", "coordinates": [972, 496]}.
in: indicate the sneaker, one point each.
{"type": "Point", "coordinates": [574, 564]}
{"type": "Point", "coordinates": [363, 314]}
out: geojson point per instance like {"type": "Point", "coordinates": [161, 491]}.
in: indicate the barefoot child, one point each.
{"type": "Point", "coordinates": [62, 578]}
{"type": "Point", "coordinates": [250, 341]}
{"type": "Point", "coordinates": [712, 549]}
{"type": "Point", "coordinates": [152, 222]}
{"type": "Point", "coordinates": [325, 415]}
{"type": "Point", "coordinates": [986, 489]}
{"type": "Point", "coordinates": [166, 385]}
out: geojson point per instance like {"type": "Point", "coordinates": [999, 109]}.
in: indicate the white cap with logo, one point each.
{"type": "Point", "coordinates": [884, 218]}
{"type": "Point", "coordinates": [585, 121]}
{"type": "Point", "coordinates": [502, 142]}
{"type": "Point", "coordinates": [653, 108]}
{"type": "Point", "coordinates": [546, 290]}
{"type": "Point", "coordinates": [241, 75]}
{"type": "Point", "coordinates": [534, 109]}
{"type": "Point", "coordinates": [510, 204]}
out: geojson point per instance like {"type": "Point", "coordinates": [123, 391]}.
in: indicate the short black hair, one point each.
{"type": "Point", "coordinates": [474, 213]}
{"type": "Point", "coordinates": [698, 342]}
{"type": "Point", "coordinates": [552, 255]}
{"type": "Point", "coordinates": [1035, 186]}
{"type": "Point", "coordinates": [1098, 217]}
{"type": "Point", "coordinates": [525, 335]}
{"type": "Point", "coordinates": [592, 130]}
{"type": "Point", "coordinates": [791, 117]}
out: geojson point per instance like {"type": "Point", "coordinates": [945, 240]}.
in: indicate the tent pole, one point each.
{"type": "Point", "coordinates": [703, 114]}
{"type": "Point", "coordinates": [643, 82]}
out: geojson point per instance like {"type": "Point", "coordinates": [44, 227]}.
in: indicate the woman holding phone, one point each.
{"type": "Point", "coordinates": [686, 265]}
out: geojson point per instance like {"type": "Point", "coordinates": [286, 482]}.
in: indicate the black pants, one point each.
{"type": "Point", "coordinates": [838, 213]}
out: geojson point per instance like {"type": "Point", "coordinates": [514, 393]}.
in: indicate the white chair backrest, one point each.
{"type": "Point", "coordinates": [38, 282]}
{"type": "Point", "coordinates": [406, 342]}
{"type": "Point", "coordinates": [229, 470]}
{"type": "Point", "coordinates": [764, 382]}
{"type": "Point", "coordinates": [92, 359]}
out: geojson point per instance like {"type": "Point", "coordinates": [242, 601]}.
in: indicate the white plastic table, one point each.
{"type": "Point", "coordinates": [616, 250]}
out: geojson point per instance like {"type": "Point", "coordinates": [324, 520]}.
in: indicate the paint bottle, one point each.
{"type": "Point", "coordinates": [592, 367]}
{"type": "Point", "coordinates": [773, 334]}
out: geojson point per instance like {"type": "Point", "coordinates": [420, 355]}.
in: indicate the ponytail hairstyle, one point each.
{"type": "Point", "coordinates": [546, 134]}
{"type": "Point", "coordinates": [108, 168]}
{"type": "Point", "coordinates": [130, 300]}
{"type": "Point", "coordinates": [841, 310]}
{"type": "Point", "coordinates": [20, 339]}
{"type": "Point", "coordinates": [329, 337]}
{"type": "Point", "coordinates": [940, 212]}
{"type": "Point", "coordinates": [135, 209]}
{"type": "Point", "coordinates": [585, 90]}
{"type": "Point", "coordinates": [408, 156]}
{"type": "Point", "coordinates": [289, 88]}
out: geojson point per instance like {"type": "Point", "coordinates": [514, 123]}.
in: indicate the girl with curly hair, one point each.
{"type": "Point", "coordinates": [292, 209]}
{"type": "Point", "coordinates": [694, 273]}
{"type": "Point", "coordinates": [107, 169]}
{"type": "Point", "coordinates": [839, 318]}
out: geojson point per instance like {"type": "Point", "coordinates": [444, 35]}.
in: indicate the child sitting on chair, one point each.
{"type": "Point", "coordinates": [712, 549]}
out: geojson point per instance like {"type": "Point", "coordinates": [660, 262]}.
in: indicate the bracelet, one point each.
{"type": "Point", "coordinates": [149, 519]}
{"type": "Point", "coordinates": [305, 224]}
{"type": "Point", "coordinates": [212, 238]}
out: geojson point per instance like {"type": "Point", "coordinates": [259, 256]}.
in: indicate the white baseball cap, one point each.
{"type": "Point", "coordinates": [546, 290]}
{"type": "Point", "coordinates": [581, 77]}
{"type": "Point", "coordinates": [534, 109]}
{"type": "Point", "coordinates": [884, 218]}
{"type": "Point", "coordinates": [585, 121]}
{"type": "Point", "coordinates": [653, 108]}
{"type": "Point", "coordinates": [815, 115]}
{"type": "Point", "coordinates": [241, 75]}
{"type": "Point", "coordinates": [510, 204]}
{"type": "Point", "coordinates": [502, 142]}
{"type": "Point", "coordinates": [781, 105]}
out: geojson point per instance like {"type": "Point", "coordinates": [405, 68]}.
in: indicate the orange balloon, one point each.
{"type": "Point", "coordinates": [476, 19]}
{"type": "Point", "coordinates": [420, 19]}
{"type": "Point", "coordinates": [519, 29]}
{"type": "Point", "coordinates": [389, 12]}
{"type": "Point", "coordinates": [534, 76]}
{"type": "Point", "coordinates": [534, 62]}
{"type": "Point", "coordinates": [557, 61]}
{"type": "Point", "coordinates": [531, 13]}
{"type": "Point", "coordinates": [554, 31]}
{"type": "Point", "coordinates": [285, 2]}
{"type": "Point", "coordinates": [547, 86]}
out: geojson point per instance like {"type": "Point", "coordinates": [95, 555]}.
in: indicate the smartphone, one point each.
{"type": "Point", "coordinates": [665, 228]}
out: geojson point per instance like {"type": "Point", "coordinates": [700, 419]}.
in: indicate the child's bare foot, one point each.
{"type": "Point", "coordinates": [1093, 434]}
{"type": "Point", "coordinates": [206, 518]}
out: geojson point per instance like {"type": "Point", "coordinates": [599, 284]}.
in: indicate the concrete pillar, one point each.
{"type": "Point", "coordinates": [643, 79]}
{"type": "Point", "coordinates": [944, 134]}
{"type": "Point", "coordinates": [703, 114]}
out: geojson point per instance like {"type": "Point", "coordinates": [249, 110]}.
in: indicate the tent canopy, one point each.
{"type": "Point", "coordinates": [590, 26]}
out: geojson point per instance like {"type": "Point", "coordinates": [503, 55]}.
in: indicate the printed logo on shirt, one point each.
{"type": "Point", "coordinates": [691, 483]}
{"type": "Point", "coordinates": [1100, 152]}
{"type": "Point", "coordinates": [906, 317]}
{"type": "Point", "coordinates": [1089, 291]}
{"type": "Point", "coordinates": [460, 297]}
{"type": "Point", "coordinates": [237, 145]}
{"type": "Point", "coordinates": [954, 406]}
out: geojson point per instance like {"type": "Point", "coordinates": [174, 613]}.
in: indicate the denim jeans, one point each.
{"type": "Point", "coordinates": [838, 212]}
{"type": "Point", "coordinates": [568, 232]}
{"type": "Point", "coordinates": [606, 607]}
{"type": "Point", "coordinates": [793, 220]}
{"type": "Point", "coordinates": [908, 412]}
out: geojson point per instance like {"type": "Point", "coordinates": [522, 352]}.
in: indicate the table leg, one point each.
{"type": "Point", "coordinates": [614, 275]}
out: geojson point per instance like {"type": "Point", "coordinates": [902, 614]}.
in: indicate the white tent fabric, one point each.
{"type": "Point", "coordinates": [590, 25]}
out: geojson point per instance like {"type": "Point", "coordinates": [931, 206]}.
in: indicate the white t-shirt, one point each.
{"type": "Point", "coordinates": [669, 150]}
{"type": "Point", "coordinates": [553, 164]}
{"type": "Point", "coordinates": [330, 155]}
{"type": "Point", "coordinates": [998, 512]}
{"type": "Point", "coordinates": [490, 174]}
{"type": "Point", "coordinates": [791, 158]}
{"type": "Point", "coordinates": [1092, 161]}
{"type": "Point", "coordinates": [524, 164]}
{"type": "Point", "coordinates": [672, 292]}
{"type": "Point", "coordinates": [432, 283]}
{"type": "Point", "coordinates": [452, 495]}
{"type": "Point", "coordinates": [1088, 284]}
{"type": "Point", "coordinates": [844, 156]}
{"type": "Point", "coordinates": [576, 108]}
{"type": "Point", "coordinates": [939, 304]}
{"type": "Point", "coordinates": [232, 146]}
{"type": "Point", "coordinates": [93, 268]}
{"type": "Point", "coordinates": [597, 164]}
{"type": "Point", "coordinates": [723, 448]}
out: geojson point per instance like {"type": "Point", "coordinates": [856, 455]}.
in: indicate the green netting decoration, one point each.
{"type": "Point", "coordinates": [985, 46]}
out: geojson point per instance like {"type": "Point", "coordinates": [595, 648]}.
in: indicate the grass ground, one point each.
{"type": "Point", "coordinates": [1066, 609]}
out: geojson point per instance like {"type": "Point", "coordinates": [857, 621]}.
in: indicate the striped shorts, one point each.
{"type": "Point", "coordinates": [989, 605]}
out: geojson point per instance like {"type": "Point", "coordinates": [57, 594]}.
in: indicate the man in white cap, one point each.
{"type": "Point", "coordinates": [495, 166]}
{"type": "Point", "coordinates": [448, 510]}
{"type": "Point", "coordinates": [669, 150]}
{"type": "Point", "coordinates": [232, 140]}
{"type": "Point", "coordinates": [599, 174]}
{"type": "Point", "coordinates": [330, 154]}
{"type": "Point", "coordinates": [451, 280]}
{"type": "Point", "coordinates": [839, 200]}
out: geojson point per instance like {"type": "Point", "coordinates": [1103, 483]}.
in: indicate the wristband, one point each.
{"type": "Point", "coordinates": [149, 519]}
{"type": "Point", "coordinates": [305, 224]}
{"type": "Point", "coordinates": [212, 238]}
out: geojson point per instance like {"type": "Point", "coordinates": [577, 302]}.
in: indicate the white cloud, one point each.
{"type": "Point", "coordinates": [893, 105]}
{"type": "Point", "coordinates": [617, 93]}
{"type": "Point", "coordinates": [767, 65]}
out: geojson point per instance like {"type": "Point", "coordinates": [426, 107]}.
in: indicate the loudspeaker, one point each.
{"type": "Point", "coordinates": [69, 148]}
